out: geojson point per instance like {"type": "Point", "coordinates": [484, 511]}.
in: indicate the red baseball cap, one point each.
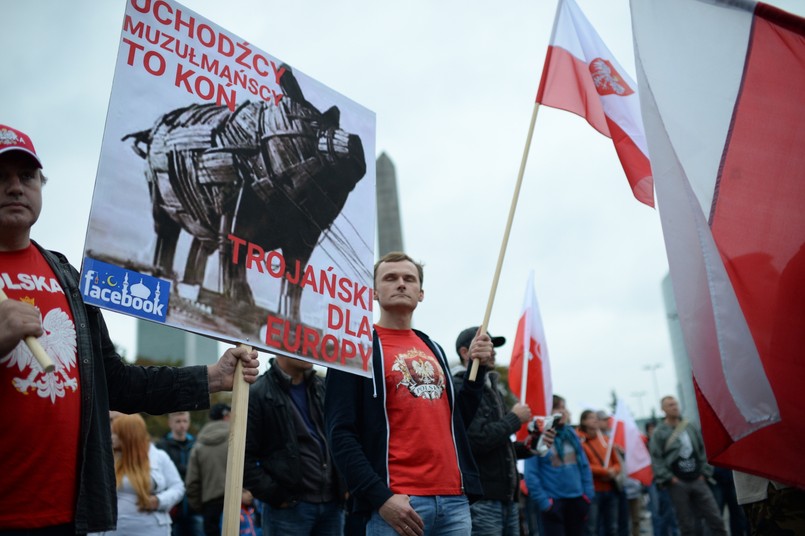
{"type": "Point", "coordinates": [12, 139]}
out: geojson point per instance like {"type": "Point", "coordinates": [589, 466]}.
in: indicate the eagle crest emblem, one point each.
{"type": "Point", "coordinates": [420, 373]}
{"type": "Point", "coordinates": [59, 341]}
{"type": "Point", "coordinates": [607, 79]}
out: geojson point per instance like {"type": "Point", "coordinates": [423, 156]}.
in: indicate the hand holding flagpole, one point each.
{"type": "Point", "coordinates": [609, 447]}
{"type": "Point", "coordinates": [566, 49]}
{"type": "Point", "coordinates": [236, 453]}
{"type": "Point", "coordinates": [35, 347]}
{"type": "Point", "coordinates": [526, 350]}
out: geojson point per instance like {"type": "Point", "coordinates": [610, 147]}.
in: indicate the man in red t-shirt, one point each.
{"type": "Point", "coordinates": [399, 438]}
{"type": "Point", "coordinates": [58, 476]}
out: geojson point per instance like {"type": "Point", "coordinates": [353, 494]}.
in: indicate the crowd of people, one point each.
{"type": "Point", "coordinates": [416, 449]}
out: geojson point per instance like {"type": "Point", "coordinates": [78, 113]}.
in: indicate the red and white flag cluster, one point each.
{"type": "Point", "coordinates": [530, 368]}
{"type": "Point", "coordinates": [722, 89]}
{"type": "Point", "coordinates": [581, 75]}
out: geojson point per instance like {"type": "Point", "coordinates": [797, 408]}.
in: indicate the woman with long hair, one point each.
{"type": "Point", "coordinates": [148, 483]}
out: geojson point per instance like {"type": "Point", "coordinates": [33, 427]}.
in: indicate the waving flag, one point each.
{"type": "Point", "coordinates": [529, 369]}
{"type": "Point", "coordinates": [637, 462]}
{"type": "Point", "coordinates": [581, 75]}
{"type": "Point", "coordinates": [725, 119]}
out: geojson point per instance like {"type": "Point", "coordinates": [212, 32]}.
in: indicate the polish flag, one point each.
{"type": "Point", "coordinates": [580, 75]}
{"type": "Point", "coordinates": [637, 462]}
{"type": "Point", "coordinates": [530, 378]}
{"type": "Point", "coordinates": [723, 99]}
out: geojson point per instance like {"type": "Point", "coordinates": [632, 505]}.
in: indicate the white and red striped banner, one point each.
{"type": "Point", "coordinates": [723, 99]}
{"type": "Point", "coordinates": [581, 75]}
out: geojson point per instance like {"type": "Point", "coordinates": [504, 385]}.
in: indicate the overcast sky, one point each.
{"type": "Point", "coordinates": [452, 84]}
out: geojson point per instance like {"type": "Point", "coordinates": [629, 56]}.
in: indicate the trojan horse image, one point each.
{"type": "Point", "coordinates": [273, 175]}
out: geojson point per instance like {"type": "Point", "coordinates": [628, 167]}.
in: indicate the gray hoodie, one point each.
{"type": "Point", "coordinates": [206, 471]}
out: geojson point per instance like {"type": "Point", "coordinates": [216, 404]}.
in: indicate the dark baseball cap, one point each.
{"type": "Point", "coordinates": [465, 338]}
{"type": "Point", "coordinates": [219, 411]}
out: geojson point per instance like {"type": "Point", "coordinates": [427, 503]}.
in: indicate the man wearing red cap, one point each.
{"type": "Point", "coordinates": [58, 470]}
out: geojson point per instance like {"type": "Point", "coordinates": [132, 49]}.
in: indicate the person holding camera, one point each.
{"type": "Point", "coordinates": [560, 482]}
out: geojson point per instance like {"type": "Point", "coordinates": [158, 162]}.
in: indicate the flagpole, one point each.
{"type": "Point", "coordinates": [526, 339]}
{"type": "Point", "coordinates": [35, 347]}
{"type": "Point", "coordinates": [609, 445]}
{"type": "Point", "coordinates": [526, 357]}
{"type": "Point", "coordinates": [505, 241]}
{"type": "Point", "coordinates": [235, 459]}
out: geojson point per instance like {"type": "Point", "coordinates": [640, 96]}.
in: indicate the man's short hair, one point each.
{"type": "Point", "coordinates": [557, 401]}
{"type": "Point", "coordinates": [399, 256]}
{"type": "Point", "coordinates": [667, 397]}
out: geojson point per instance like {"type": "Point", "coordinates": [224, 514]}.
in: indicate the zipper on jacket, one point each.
{"type": "Point", "coordinates": [385, 398]}
{"type": "Point", "coordinates": [452, 401]}
{"type": "Point", "coordinates": [375, 341]}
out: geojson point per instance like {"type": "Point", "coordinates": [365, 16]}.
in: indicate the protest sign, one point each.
{"type": "Point", "coordinates": [235, 196]}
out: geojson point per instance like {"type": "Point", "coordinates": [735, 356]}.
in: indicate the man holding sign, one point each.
{"type": "Point", "coordinates": [58, 475]}
{"type": "Point", "coordinates": [399, 438]}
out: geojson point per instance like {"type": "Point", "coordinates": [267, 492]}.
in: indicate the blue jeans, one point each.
{"type": "Point", "coordinates": [662, 512]}
{"type": "Point", "coordinates": [188, 525]}
{"type": "Point", "coordinates": [495, 518]}
{"type": "Point", "coordinates": [304, 518]}
{"type": "Point", "coordinates": [603, 517]}
{"type": "Point", "coordinates": [565, 517]}
{"type": "Point", "coordinates": [624, 518]}
{"type": "Point", "coordinates": [444, 515]}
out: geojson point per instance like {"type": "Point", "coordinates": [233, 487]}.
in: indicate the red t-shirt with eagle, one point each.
{"type": "Point", "coordinates": [40, 420]}
{"type": "Point", "coordinates": [422, 453]}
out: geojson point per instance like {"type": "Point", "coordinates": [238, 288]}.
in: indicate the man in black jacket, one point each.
{"type": "Point", "coordinates": [287, 462]}
{"type": "Point", "coordinates": [177, 443]}
{"type": "Point", "coordinates": [399, 437]}
{"type": "Point", "coordinates": [490, 439]}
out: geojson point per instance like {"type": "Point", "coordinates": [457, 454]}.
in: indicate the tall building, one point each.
{"type": "Point", "coordinates": [687, 397]}
{"type": "Point", "coordinates": [389, 229]}
{"type": "Point", "coordinates": [164, 343]}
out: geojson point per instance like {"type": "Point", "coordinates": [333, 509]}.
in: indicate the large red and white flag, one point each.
{"type": "Point", "coordinates": [723, 100]}
{"type": "Point", "coordinates": [581, 75]}
{"type": "Point", "coordinates": [637, 462]}
{"type": "Point", "coordinates": [530, 368]}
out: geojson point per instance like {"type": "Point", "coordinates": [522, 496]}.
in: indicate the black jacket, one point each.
{"type": "Point", "coordinates": [273, 465]}
{"type": "Point", "coordinates": [108, 382]}
{"type": "Point", "coordinates": [179, 452]}
{"type": "Point", "coordinates": [492, 448]}
{"type": "Point", "coordinates": [357, 428]}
